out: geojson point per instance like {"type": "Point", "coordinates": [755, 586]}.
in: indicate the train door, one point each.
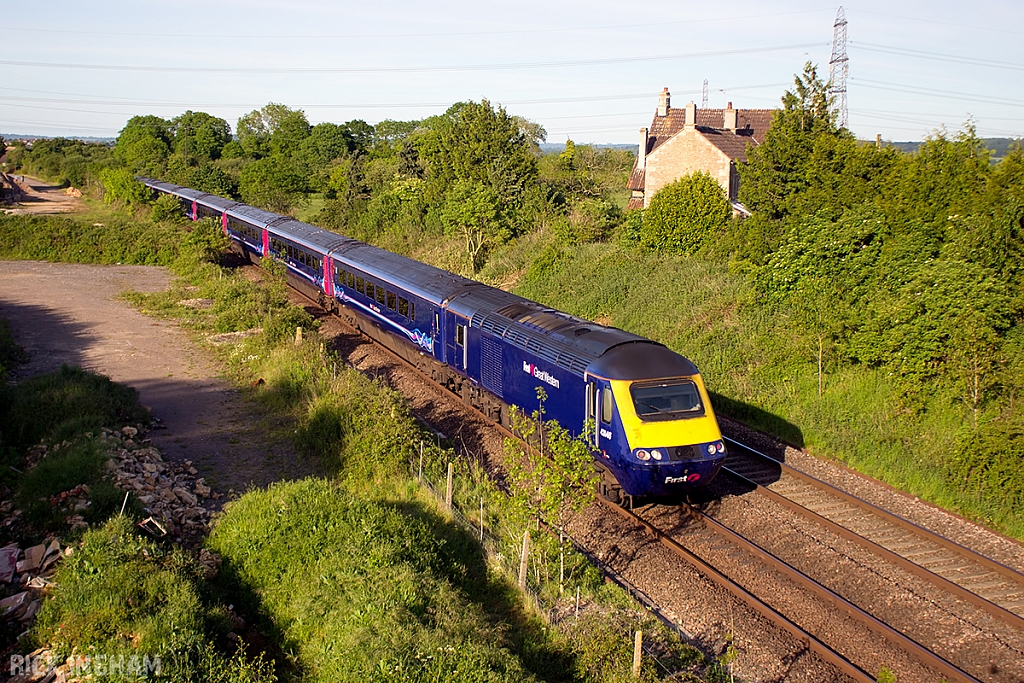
{"type": "Point", "coordinates": [224, 222]}
{"type": "Point", "coordinates": [328, 276]}
{"type": "Point", "coordinates": [457, 341]}
{"type": "Point", "coordinates": [593, 394]}
{"type": "Point", "coordinates": [439, 337]}
{"type": "Point", "coordinates": [266, 242]}
{"type": "Point", "coordinates": [195, 211]}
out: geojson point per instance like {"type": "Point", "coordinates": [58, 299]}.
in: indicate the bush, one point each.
{"type": "Point", "coordinates": [166, 207]}
{"type": "Point", "coordinates": [361, 590]}
{"type": "Point", "coordinates": [682, 215]}
{"type": "Point", "coordinates": [121, 186]}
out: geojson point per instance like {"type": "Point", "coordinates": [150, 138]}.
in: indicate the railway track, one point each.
{"type": "Point", "coordinates": [732, 549]}
{"type": "Point", "coordinates": [729, 550]}
{"type": "Point", "coordinates": [980, 581]}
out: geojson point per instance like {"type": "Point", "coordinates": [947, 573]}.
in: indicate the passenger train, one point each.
{"type": "Point", "coordinates": [652, 428]}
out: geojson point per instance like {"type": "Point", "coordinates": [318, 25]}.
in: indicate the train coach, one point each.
{"type": "Point", "coordinates": [642, 407]}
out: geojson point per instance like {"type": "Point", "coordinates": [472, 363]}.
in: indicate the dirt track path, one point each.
{"type": "Point", "coordinates": [63, 313]}
{"type": "Point", "coordinates": [40, 197]}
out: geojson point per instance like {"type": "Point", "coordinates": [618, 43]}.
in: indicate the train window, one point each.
{"type": "Point", "coordinates": [351, 280]}
{"type": "Point", "coordinates": [460, 335]}
{"type": "Point", "coordinates": [380, 295]}
{"type": "Point", "coordinates": [403, 307]}
{"type": "Point", "coordinates": [607, 406]}
{"type": "Point", "coordinates": [671, 400]}
{"type": "Point", "coordinates": [412, 310]}
{"type": "Point", "coordinates": [590, 400]}
{"type": "Point", "coordinates": [359, 285]}
{"type": "Point", "coordinates": [391, 300]}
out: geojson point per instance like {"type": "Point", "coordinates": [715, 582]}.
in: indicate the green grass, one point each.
{"type": "Point", "coordinates": [64, 404]}
{"type": "Point", "coordinates": [121, 595]}
{"type": "Point", "coordinates": [362, 589]}
{"type": "Point", "coordinates": [78, 239]}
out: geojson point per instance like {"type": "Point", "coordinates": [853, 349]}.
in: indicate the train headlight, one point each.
{"type": "Point", "coordinates": [721, 447]}
{"type": "Point", "coordinates": [643, 455]}
{"type": "Point", "coordinates": [711, 449]}
{"type": "Point", "coordinates": [656, 454]}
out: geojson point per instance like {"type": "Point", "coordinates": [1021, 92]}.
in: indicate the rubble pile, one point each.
{"type": "Point", "coordinates": [25, 575]}
{"type": "Point", "coordinates": [170, 493]}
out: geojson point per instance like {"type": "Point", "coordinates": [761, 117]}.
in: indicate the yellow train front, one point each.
{"type": "Point", "coordinates": [656, 432]}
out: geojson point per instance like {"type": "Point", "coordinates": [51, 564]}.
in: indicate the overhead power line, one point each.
{"type": "Point", "coordinates": [938, 56]}
{"type": "Point", "coordinates": [378, 36]}
{"type": "Point", "coordinates": [932, 92]}
{"type": "Point", "coordinates": [406, 69]}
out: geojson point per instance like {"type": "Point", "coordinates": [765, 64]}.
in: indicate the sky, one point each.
{"type": "Point", "coordinates": [589, 71]}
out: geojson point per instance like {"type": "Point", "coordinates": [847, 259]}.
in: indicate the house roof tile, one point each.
{"type": "Point", "coordinates": [750, 122]}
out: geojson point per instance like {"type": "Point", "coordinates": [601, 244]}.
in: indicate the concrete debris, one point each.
{"type": "Point", "coordinates": [210, 562]}
{"type": "Point", "coordinates": [169, 492]}
{"type": "Point", "coordinates": [8, 563]}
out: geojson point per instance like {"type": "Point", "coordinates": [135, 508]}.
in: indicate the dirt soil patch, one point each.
{"type": "Point", "coordinates": [39, 197]}
{"type": "Point", "coordinates": [65, 313]}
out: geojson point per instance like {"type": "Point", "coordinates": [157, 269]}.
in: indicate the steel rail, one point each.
{"type": "Point", "coordinates": [904, 642]}
{"type": "Point", "coordinates": [988, 563]}
{"type": "Point", "coordinates": [907, 565]}
{"type": "Point", "coordinates": [760, 607]}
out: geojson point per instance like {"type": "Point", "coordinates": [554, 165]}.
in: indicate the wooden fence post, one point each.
{"type": "Point", "coordinates": [448, 491]}
{"type": "Point", "coordinates": [638, 644]}
{"type": "Point", "coordinates": [298, 336]}
{"type": "Point", "coordinates": [523, 560]}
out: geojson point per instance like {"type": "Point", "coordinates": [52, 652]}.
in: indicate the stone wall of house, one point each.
{"type": "Point", "coordinates": [686, 152]}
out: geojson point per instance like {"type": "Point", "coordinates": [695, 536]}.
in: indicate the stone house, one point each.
{"type": "Point", "coordinates": [683, 141]}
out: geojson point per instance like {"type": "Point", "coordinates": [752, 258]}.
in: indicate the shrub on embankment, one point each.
{"type": "Point", "coordinates": [362, 590]}
{"type": "Point", "coordinates": [117, 239]}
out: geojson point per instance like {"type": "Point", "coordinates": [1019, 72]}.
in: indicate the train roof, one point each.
{"type": "Point", "coordinates": [254, 216]}
{"type": "Point", "coordinates": [322, 240]}
{"type": "Point", "coordinates": [424, 280]}
{"type": "Point", "coordinates": [219, 203]}
{"type": "Point", "coordinates": [565, 340]}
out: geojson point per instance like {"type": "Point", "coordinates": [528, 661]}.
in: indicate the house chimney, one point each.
{"type": "Point", "coordinates": [641, 157]}
{"type": "Point", "coordinates": [691, 115]}
{"type": "Point", "coordinates": [663, 103]}
{"type": "Point", "coordinates": [729, 118]}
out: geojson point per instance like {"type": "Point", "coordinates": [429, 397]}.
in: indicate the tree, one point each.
{"type": "Point", "coordinates": [683, 214]}
{"type": "Point", "coordinates": [471, 212]}
{"type": "Point", "coordinates": [476, 143]}
{"type": "Point", "coordinates": [272, 183]}
{"type": "Point", "coordinates": [551, 478]}
{"type": "Point", "coordinates": [819, 311]}
{"type": "Point", "coordinates": [776, 169]}
{"type": "Point", "coordinates": [144, 144]}
{"type": "Point", "coordinates": [199, 137]}
{"type": "Point", "coordinates": [255, 129]}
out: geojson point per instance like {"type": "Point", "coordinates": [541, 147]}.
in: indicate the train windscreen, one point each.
{"type": "Point", "coordinates": [666, 400]}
